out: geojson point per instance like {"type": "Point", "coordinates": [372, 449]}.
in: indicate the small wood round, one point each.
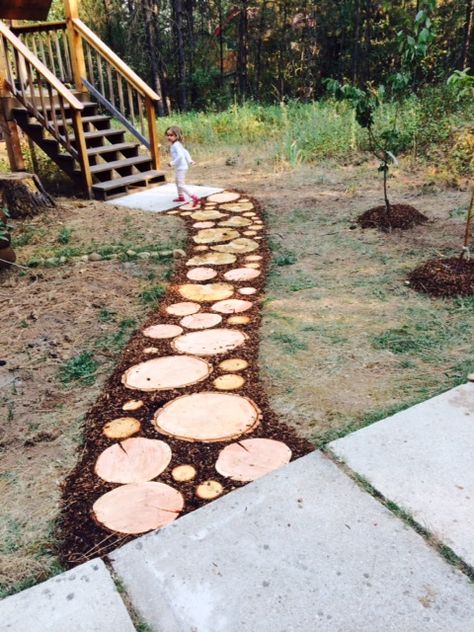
{"type": "Point", "coordinates": [132, 404]}
{"type": "Point", "coordinates": [238, 320]}
{"type": "Point", "coordinates": [207, 417]}
{"type": "Point", "coordinates": [249, 215]}
{"type": "Point", "coordinates": [187, 213]}
{"type": "Point", "coordinates": [203, 320]}
{"type": "Point", "coordinates": [233, 364]}
{"type": "Point", "coordinates": [252, 266]}
{"type": "Point", "coordinates": [121, 428]}
{"type": "Point", "coordinates": [232, 306]}
{"type": "Point", "coordinates": [172, 212]}
{"type": "Point", "coordinates": [183, 309]}
{"type": "Point", "coordinates": [208, 215]}
{"type": "Point", "coordinates": [255, 227]}
{"type": "Point", "coordinates": [209, 490]}
{"type": "Point", "coordinates": [138, 508]}
{"type": "Point", "coordinates": [200, 248]}
{"type": "Point", "coordinates": [241, 274]}
{"type": "Point", "coordinates": [249, 459]}
{"type": "Point", "coordinates": [204, 224]}
{"type": "Point", "coordinates": [167, 372]}
{"type": "Point", "coordinates": [206, 293]}
{"type": "Point", "coordinates": [162, 331]}
{"type": "Point", "coordinates": [237, 207]}
{"type": "Point", "coordinates": [149, 350]}
{"type": "Point", "coordinates": [237, 246]}
{"type": "Point", "coordinates": [249, 233]}
{"type": "Point", "coordinates": [228, 382]}
{"type": "Point", "coordinates": [253, 258]}
{"type": "Point", "coordinates": [235, 221]}
{"type": "Point", "coordinates": [183, 473]}
{"type": "Point", "coordinates": [209, 341]}
{"type": "Point", "coordinates": [134, 460]}
{"type": "Point", "coordinates": [222, 198]}
{"type": "Point", "coordinates": [201, 274]}
{"type": "Point", "coordinates": [215, 235]}
{"type": "Point", "coordinates": [212, 259]}
{"type": "Point", "coordinates": [247, 291]}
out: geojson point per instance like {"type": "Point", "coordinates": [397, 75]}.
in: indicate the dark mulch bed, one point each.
{"type": "Point", "coordinates": [444, 277]}
{"type": "Point", "coordinates": [402, 216]}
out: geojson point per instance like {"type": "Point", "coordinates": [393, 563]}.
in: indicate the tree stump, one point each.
{"type": "Point", "coordinates": [23, 194]}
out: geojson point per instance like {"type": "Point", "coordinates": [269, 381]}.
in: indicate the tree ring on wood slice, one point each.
{"type": "Point", "coordinates": [200, 248]}
{"type": "Point", "coordinates": [233, 364]}
{"type": "Point", "coordinates": [209, 341]}
{"type": "Point", "coordinates": [207, 292]}
{"type": "Point", "coordinates": [138, 507]}
{"type": "Point", "coordinates": [225, 196]}
{"type": "Point", "coordinates": [132, 404]}
{"type": "Point", "coordinates": [204, 224]}
{"type": "Point", "coordinates": [201, 274]}
{"type": "Point", "coordinates": [134, 460]}
{"type": "Point", "coordinates": [236, 221]}
{"type": "Point", "coordinates": [183, 309]}
{"type": "Point", "coordinates": [232, 306]}
{"type": "Point", "coordinates": [252, 266]}
{"type": "Point", "coordinates": [212, 259]}
{"type": "Point", "coordinates": [247, 291]}
{"type": "Point", "coordinates": [215, 235]}
{"type": "Point", "coordinates": [150, 350]}
{"type": "Point", "coordinates": [162, 331]}
{"type": "Point", "coordinates": [209, 490]}
{"type": "Point", "coordinates": [241, 245]}
{"type": "Point", "coordinates": [183, 473]}
{"type": "Point", "coordinates": [228, 382]}
{"type": "Point", "coordinates": [203, 320]}
{"type": "Point", "coordinates": [209, 214]}
{"type": "Point", "coordinates": [253, 258]}
{"type": "Point", "coordinates": [167, 372]}
{"type": "Point", "coordinates": [238, 320]}
{"type": "Point", "coordinates": [241, 274]}
{"type": "Point", "coordinates": [249, 459]}
{"type": "Point", "coordinates": [121, 428]}
{"type": "Point", "coordinates": [237, 207]}
{"type": "Point", "coordinates": [207, 417]}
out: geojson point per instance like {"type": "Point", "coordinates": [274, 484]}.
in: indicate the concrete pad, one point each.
{"type": "Point", "coordinates": [83, 599]}
{"type": "Point", "coordinates": [301, 549]}
{"type": "Point", "coordinates": [423, 460]}
{"type": "Point", "coordinates": [160, 198]}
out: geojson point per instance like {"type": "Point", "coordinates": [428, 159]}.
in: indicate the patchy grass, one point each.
{"type": "Point", "coordinates": [81, 368]}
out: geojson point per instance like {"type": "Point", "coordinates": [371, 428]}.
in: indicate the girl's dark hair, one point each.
{"type": "Point", "coordinates": [175, 130]}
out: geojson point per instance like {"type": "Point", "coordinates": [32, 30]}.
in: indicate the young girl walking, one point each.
{"type": "Point", "coordinates": [180, 160]}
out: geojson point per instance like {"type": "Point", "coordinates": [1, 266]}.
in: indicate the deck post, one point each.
{"type": "Point", "coordinates": [153, 133]}
{"type": "Point", "coordinates": [75, 44]}
{"type": "Point", "coordinates": [7, 124]}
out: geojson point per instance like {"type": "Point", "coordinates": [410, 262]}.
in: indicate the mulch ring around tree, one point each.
{"type": "Point", "coordinates": [444, 277]}
{"type": "Point", "coordinates": [402, 216]}
{"type": "Point", "coordinates": [184, 417]}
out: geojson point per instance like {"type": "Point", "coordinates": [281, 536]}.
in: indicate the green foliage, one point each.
{"type": "Point", "coordinates": [81, 368]}
{"type": "Point", "coordinates": [152, 294]}
{"type": "Point", "coordinates": [462, 83]}
{"type": "Point", "coordinates": [64, 235]}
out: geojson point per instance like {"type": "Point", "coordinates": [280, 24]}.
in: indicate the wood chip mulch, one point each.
{"type": "Point", "coordinates": [444, 277]}
{"type": "Point", "coordinates": [401, 216]}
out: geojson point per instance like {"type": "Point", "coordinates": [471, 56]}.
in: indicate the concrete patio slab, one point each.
{"type": "Point", "coordinates": [81, 600]}
{"type": "Point", "coordinates": [160, 198]}
{"type": "Point", "coordinates": [299, 550]}
{"type": "Point", "coordinates": [423, 460]}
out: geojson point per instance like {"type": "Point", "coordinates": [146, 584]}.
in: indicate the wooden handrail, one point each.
{"type": "Point", "coordinates": [140, 86]}
{"type": "Point", "coordinates": [41, 68]}
{"type": "Point", "coordinates": [40, 27]}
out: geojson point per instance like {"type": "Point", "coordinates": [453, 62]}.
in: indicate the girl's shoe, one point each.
{"type": "Point", "coordinates": [181, 198]}
{"type": "Point", "coordinates": [195, 200]}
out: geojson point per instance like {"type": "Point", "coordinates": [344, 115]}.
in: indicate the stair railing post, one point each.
{"type": "Point", "coordinates": [75, 44]}
{"type": "Point", "coordinates": [82, 151]}
{"type": "Point", "coordinates": [152, 132]}
{"type": "Point", "coordinates": [7, 123]}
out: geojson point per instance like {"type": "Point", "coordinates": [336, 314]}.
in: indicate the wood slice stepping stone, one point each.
{"type": "Point", "coordinates": [215, 235]}
{"type": "Point", "coordinates": [207, 292]}
{"type": "Point", "coordinates": [233, 364]}
{"type": "Point", "coordinates": [187, 213]}
{"type": "Point", "coordinates": [251, 214]}
{"type": "Point", "coordinates": [183, 309]}
{"type": "Point", "coordinates": [189, 206]}
{"type": "Point", "coordinates": [209, 341]}
{"type": "Point", "coordinates": [134, 460]}
{"type": "Point", "coordinates": [149, 350]}
{"type": "Point", "coordinates": [138, 508]}
{"type": "Point", "coordinates": [204, 224]}
{"type": "Point", "coordinates": [256, 227]}
{"type": "Point", "coordinates": [162, 331]}
{"type": "Point", "coordinates": [209, 490]}
{"type": "Point", "coordinates": [252, 266]}
{"type": "Point", "coordinates": [201, 274]}
{"type": "Point", "coordinates": [238, 320]}
{"type": "Point", "coordinates": [121, 428]}
{"type": "Point", "coordinates": [201, 248]}
{"type": "Point", "coordinates": [232, 306]}
{"type": "Point", "coordinates": [247, 291]}
{"type": "Point", "coordinates": [249, 233]}
{"type": "Point", "coordinates": [203, 320]}
{"type": "Point", "coordinates": [208, 215]}
{"type": "Point", "coordinates": [225, 196]}
{"type": "Point", "coordinates": [167, 372]}
{"type": "Point", "coordinates": [212, 259]}
{"type": "Point", "coordinates": [240, 245]}
{"type": "Point", "coordinates": [249, 459]}
{"type": "Point", "coordinates": [228, 382]}
{"type": "Point", "coordinates": [235, 221]}
{"type": "Point", "coordinates": [132, 404]}
{"type": "Point", "coordinates": [183, 473]}
{"type": "Point", "coordinates": [253, 258]}
{"type": "Point", "coordinates": [241, 274]}
{"type": "Point", "coordinates": [237, 207]}
{"type": "Point", "coordinates": [207, 417]}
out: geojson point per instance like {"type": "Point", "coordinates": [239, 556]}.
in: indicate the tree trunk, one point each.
{"type": "Point", "coordinates": [23, 195]}
{"type": "Point", "coordinates": [180, 54]}
{"type": "Point", "coordinates": [152, 45]}
{"type": "Point", "coordinates": [242, 51]}
{"type": "Point", "coordinates": [468, 30]}
{"type": "Point", "coordinates": [356, 44]}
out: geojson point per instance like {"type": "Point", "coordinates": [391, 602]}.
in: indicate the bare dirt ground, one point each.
{"type": "Point", "coordinates": [344, 338]}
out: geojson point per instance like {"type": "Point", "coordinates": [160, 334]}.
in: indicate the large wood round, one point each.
{"type": "Point", "coordinates": [232, 306]}
{"type": "Point", "coordinates": [201, 274]}
{"type": "Point", "coordinates": [222, 198]}
{"type": "Point", "coordinates": [183, 309]}
{"type": "Point", "coordinates": [134, 460]}
{"type": "Point", "coordinates": [209, 341]}
{"type": "Point", "coordinates": [207, 417]}
{"type": "Point", "coordinates": [240, 245]}
{"type": "Point", "coordinates": [138, 508]}
{"type": "Point", "coordinates": [121, 428]}
{"type": "Point", "coordinates": [237, 207]}
{"type": "Point", "coordinates": [241, 274]}
{"type": "Point", "coordinates": [203, 320]}
{"type": "Point", "coordinates": [235, 221]}
{"type": "Point", "coordinates": [167, 372]}
{"type": "Point", "coordinates": [215, 235]}
{"type": "Point", "coordinates": [212, 259]}
{"type": "Point", "coordinates": [162, 331]}
{"type": "Point", "coordinates": [251, 458]}
{"type": "Point", "coordinates": [208, 215]}
{"type": "Point", "coordinates": [206, 293]}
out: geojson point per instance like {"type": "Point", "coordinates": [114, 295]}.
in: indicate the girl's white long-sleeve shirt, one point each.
{"type": "Point", "coordinates": [180, 158]}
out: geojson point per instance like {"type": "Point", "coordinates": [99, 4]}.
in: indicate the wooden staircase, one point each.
{"type": "Point", "coordinates": [82, 106]}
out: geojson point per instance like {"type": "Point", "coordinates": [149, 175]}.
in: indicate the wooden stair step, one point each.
{"type": "Point", "coordinates": [119, 164]}
{"type": "Point", "coordinates": [104, 149]}
{"type": "Point", "coordinates": [103, 133]}
{"type": "Point", "coordinates": [137, 178]}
